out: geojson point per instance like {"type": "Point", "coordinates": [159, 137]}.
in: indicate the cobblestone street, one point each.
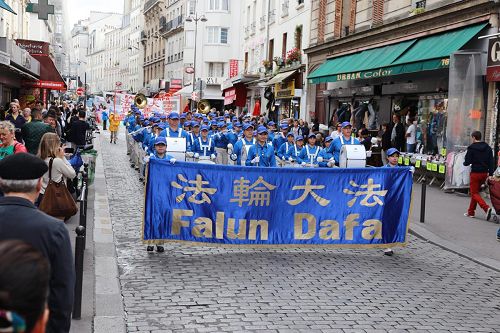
{"type": "Point", "coordinates": [422, 288]}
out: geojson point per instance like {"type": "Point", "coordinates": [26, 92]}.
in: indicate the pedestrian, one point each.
{"type": "Point", "coordinates": [34, 130]}
{"type": "Point", "coordinates": [17, 119]}
{"type": "Point", "coordinates": [386, 141]}
{"type": "Point", "coordinates": [27, 114]}
{"type": "Point", "coordinates": [104, 118]}
{"type": "Point", "coordinates": [79, 128]}
{"type": "Point", "coordinates": [480, 158]}
{"type": "Point", "coordinates": [397, 133]}
{"type": "Point", "coordinates": [8, 142]}
{"type": "Point", "coordinates": [24, 279]}
{"type": "Point", "coordinates": [494, 187]}
{"type": "Point", "coordinates": [411, 136]}
{"type": "Point", "coordinates": [21, 181]}
{"type": "Point", "coordinates": [114, 124]}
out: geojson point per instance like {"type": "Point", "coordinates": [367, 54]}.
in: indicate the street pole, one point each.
{"type": "Point", "coordinates": [194, 60]}
{"type": "Point", "coordinates": [85, 90]}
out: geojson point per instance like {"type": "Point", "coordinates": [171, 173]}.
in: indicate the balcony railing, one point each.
{"type": "Point", "coordinates": [150, 4]}
{"type": "Point", "coordinates": [284, 8]}
{"type": "Point", "coordinates": [262, 22]}
{"type": "Point", "coordinates": [253, 28]}
{"type": "Point", "coordinates": [172, 25]}
{"type": "Point", "coordinates": [272, 16]}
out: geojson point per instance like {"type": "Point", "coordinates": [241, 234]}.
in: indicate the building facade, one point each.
{"type": "Point", "coordinates": [153, 44]}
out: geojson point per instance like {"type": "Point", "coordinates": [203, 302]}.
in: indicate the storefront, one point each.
{"type": "Point", "coordinates": [288, 94]}
{"type": "Point", "coordinates": [16, 66]}
{"type": "Point", "coordinates": [423, 79]}
{"type": "Point", "coordinates": [235, 96]}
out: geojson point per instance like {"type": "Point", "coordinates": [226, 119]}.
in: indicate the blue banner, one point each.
{"type": "Point", "coordinates": [194, 202]}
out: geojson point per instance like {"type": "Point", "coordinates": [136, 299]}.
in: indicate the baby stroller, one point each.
{"type": "Point", "coordinates": [494, 189]}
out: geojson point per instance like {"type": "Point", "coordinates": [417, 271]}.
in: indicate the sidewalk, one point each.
{"type": "Point", "coordinates": [446, 226]}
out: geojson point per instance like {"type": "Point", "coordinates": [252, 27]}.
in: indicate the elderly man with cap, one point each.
{"type": "Point", "coordinates": [262, 152]}
{"type": "Point", "coordinates": [21, 181]}
{"type": "Point", "coordinates": [204, 147]}
{"type": "Point", "coordinates": [309, 154]}
{"type": "Point", "coordinates": [325, 159]}
{"type": "Point", "coordinates": [344, 139]}
{"type": "Point", "coordinates": [243, 145]}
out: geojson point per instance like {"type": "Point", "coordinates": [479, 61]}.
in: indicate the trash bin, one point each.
{"type": "Point", "coordinates": [90, 157]}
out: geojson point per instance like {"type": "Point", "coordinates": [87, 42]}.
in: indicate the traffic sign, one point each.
{"type": "Point", "coordinates": [80, 91]}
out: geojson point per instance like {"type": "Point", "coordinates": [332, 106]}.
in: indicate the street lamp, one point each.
{"type": "Point", "coordinates": [195, 18]}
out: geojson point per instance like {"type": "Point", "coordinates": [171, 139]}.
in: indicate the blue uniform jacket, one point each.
{"type": "Point", "coordinates": [294, 152]}
{"type": "Point", "coordinates": [278, 141]}
{"type": "Point", "coordinates": [326, 157]}
{"type": "Point", "coordinates": [283, 150]}
{"type": "Point", "coordinates": [204, 147]}
{"type": "Point", "coordinates": [337, 144]}
{"type": "Point", "coordinates": [309, 154]}
{"type": "Point", "coordinates": [238, 148]}
{"type": "Point", "coordinates": [265, 153]}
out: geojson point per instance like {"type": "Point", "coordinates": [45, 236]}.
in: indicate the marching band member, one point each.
{"type": "Point", "coordinates": [344, 139]}
{"type": "Point", "coordinates": [221, 141]}
{"type": "Point", "coordinates": [243, 145]}
{"type": "Point", "coordinates": [193, 136]}
{"type": "Point", "coordinates": [234, 135]}
{"type": "Point", "coordinates": [309, 154]}
{"type": "Point", "coordinates": [204, 146]}
{"type": "Point", "coordinates": [280, 138]}
{"type": "Point", "coordinates": [182, 120]}
{"type": "Point", "coordinates": [159, 154]}
{"type": "Point", "coordinates": [325, 158]}
{"type": "Point", "coordinates": [262, 153]}
{"type": "Point", "coordinates": [173, 130]}
{"type": "Point", "coordinates": [213, 128]}
{"type": "Point", "coordinates": [294, 152]}
{"type": "Point", "coordinates": [284, 149]}
{"type": "Point", "coordinates": [271, 127]}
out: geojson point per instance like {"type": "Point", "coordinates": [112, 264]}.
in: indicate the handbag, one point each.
{"type": "Point", "coordinates": [57, 201]}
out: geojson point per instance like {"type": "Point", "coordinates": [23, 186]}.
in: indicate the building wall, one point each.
{"type": "Point", "coordinates": [175, 42]}
{"type": "Point", "coordinates": [153, 43]}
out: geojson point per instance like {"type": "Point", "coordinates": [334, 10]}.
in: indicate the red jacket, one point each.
{"type": "Point", "coordinates": [494, 186]}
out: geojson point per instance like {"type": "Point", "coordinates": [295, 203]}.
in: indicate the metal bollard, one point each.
{"type": "Point", "coordinates": [85, 176]}
{"type": "Point", "coordinates": [79, 253]}
{"type": "Point", "coordinates": [422, 200]}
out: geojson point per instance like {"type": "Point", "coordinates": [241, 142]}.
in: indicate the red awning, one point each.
{"type": "Point", "coordinates": [50, 78]}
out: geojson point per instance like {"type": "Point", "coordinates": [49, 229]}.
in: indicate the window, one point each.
{"type": "Point", "coordinates": [189, 39]}
{"type": "Point", "coordinates": [218, 5]}
{"type": "Point", "coordinates": [216, 69]}
{"type": "Point", "coordinates": [217, 35]}
{"type": "Point", "coordinates": [191, 7]}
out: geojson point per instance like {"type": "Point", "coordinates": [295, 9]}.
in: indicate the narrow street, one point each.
{"type": "Point", "coordinates": [205, 289]}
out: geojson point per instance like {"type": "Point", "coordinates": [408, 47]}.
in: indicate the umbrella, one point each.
{"type": "Point", "coordinates": [6, 7]}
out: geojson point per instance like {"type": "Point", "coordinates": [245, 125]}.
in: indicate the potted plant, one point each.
{"type": "Point", "coordinates": [278, 61]}
{"type": "Point", "coordinates": [293, 56]}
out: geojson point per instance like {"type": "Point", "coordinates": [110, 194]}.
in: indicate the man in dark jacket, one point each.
{"type": "Point", "coordinates": [480, 157]}
{"type": "Point", "coordinates": [79, 129]}
{"type": "Point", "coordinates": [34, 130]}
{"type": "Point", "coordinates": [398, 133]}
{"type": "Point", "coordinates": [20, 180]}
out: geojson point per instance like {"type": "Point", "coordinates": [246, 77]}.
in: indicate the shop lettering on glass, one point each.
{"type": "Point", "coordinates": [305, 195]}
{"type": "Point", "coordinates": [364, 75]}
{"type": "Point", "coordinates": [233, 67]}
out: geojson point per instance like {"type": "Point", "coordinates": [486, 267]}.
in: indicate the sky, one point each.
{"type": "Point", "coordinates": [80, 9]}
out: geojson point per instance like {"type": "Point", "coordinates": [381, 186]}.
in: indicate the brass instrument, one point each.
{"type": "Point", "coordinates": [204, 106]}
{"type": "Point", "coordinates": [140, 101]}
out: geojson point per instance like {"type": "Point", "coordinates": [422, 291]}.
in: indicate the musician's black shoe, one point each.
{"type": "Point", "coordinates": [159, 249]}
{"type": "Point", "coordinates": [150, 248]}
{"type": "Point", "coordinates": [388, 252]}
{"type": "Point", "coordinates": [132, 165]}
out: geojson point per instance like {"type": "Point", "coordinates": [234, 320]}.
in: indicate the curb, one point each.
{"type": "Point", "coordinates": [432, 238]}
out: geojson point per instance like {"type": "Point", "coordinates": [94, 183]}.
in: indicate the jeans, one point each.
{"type": "Point", "coordinates": [476, 180]}
{"type": "Point", "coordinates": [410, 147]}
{"type": "Point", "coordinates": [104, 123]}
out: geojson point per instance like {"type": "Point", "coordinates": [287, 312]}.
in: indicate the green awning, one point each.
{"type": "Point", "coordinates": [426, 53]}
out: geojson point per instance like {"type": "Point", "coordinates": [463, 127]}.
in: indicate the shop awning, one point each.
{"type": "Point", "coordinates": [50, 78]}
{"type": "Point", "coordinates": [278, 78]}
{"type": "Point", "coordinates": [5, 6]}
{"type": "Point", "coordinates": [210, 92]}
{"type": "Point", "coordinates": [426, 53]}
{"type": "Point", "coordinates": [236, 95]}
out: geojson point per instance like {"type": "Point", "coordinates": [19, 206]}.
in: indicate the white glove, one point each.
{"type": "Point", "coordinates": [173, 160]}
{"type": "Point", "coordinates": [320, 159]}
{"type": "Point", "coordinates": [146, 159]}
{"type": "Point", "coordinates": [190, 154]}
{"type": "Point", "coordinates": [196, 155]}
{"type": "Point", "coordinates": [303, 163]}
{"type": "Point", "coordinates": [256, 160]}
{"type": "Point", "coordinates": [212, 157]}
{"type": "Point", "coordinates": [146, 149]}
{"type": "Point", "coordinates": [234, 157]}
{"type": "Point", "coordinates": [332, 160]}
{"type": "Point", "coordinates": [230, 146]}
{"type": "Point", "coordinates": [291, 159]}
{"type": "Point", "coordinates": [330, 164]}
{"type": "Point", "coordinates": [412, 169]}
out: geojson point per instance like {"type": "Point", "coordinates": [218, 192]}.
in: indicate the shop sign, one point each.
{"type": "Point", "coordinates": [284, 90]}
{"type": "Point", "coordinates": [229, 96]}
{"type": "Point", "coordinates": [175, 85]}
{"type": "Point", "coordinates": [493, 66]}
{"type": "Point", "coordinates": [33, 46]}
{"type": "Point", "coordinates": [53, 85]}
{"type": "Point", "coordinates": [233, 67]}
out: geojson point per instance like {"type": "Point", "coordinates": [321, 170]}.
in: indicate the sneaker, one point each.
{"type": "Point", "coordinates": [150, 248]}
{"type": "Point", "coordinates": [160, 249]}
{"type": "Point", "coordinates": [388, 252]}
{"type": "Point", "coordinates": [488, 214]}
{"type": "Point", "coordinates": [467, 215]}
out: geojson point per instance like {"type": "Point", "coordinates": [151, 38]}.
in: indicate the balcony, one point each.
{"type": "Point", "coordinates": [284, 8]}
{"type": "Point", "coordinates": [272, 16]}
{"type": "Point", "coordinates": [150, 4]}
{"type": "Point", "coordinates": [253, 28]}
{"type": "Point", "coordinates": [247, 32]}
{"type": "Point", "coordinates": [144, 36]}
{"type": "Point", "coordinates": [262, 22]}
{"type": "Point", "coordinates": [173, 26]}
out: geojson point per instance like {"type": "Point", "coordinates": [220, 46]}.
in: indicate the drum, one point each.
{"type": "Point", "coordinates": [352, 156]}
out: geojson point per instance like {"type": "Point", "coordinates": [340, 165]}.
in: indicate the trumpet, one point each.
{"type": "Point", "coordinates": [204, 106]}
{"type": "Point", "coordinates": [141, 101]}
